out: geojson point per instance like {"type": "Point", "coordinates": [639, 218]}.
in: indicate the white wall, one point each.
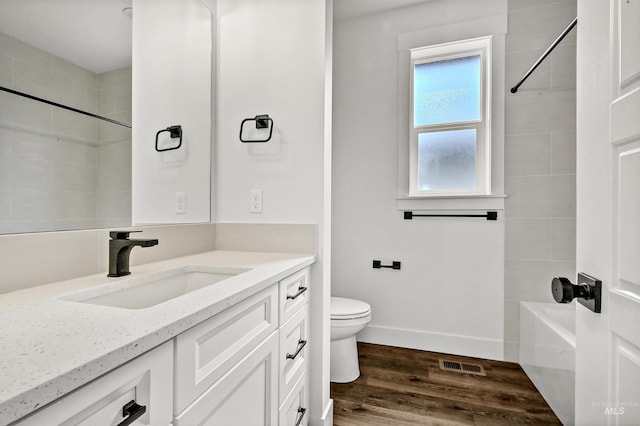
{"type": "Point", "coordinates": [272, 57]}
{"type": "Point", "coordinates": [448, 296]}
{"type": "Point", "coordinates": [172, 76]}
{"type": "Point", "coordinates": [263, 69]}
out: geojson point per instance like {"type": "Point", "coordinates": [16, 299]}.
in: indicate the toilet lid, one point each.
{"type": "Point", "coordinates": [343, 308]}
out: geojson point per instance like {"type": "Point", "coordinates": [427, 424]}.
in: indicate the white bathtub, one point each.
{"type": "Point", "coordinates": [547, 353]}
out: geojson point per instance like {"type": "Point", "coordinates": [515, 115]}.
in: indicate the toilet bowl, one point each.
{"type": "Point", "coordinates": [348, 317]}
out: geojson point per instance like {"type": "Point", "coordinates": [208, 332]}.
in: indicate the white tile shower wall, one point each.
{"type": "Point", "coordinates": [540, 158]}
{"type": "Point", "coordinates": [49, 157]}
{"type": "Point", "coordinates": [113, 162]}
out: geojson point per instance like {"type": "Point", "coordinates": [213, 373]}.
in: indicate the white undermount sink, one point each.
{"type": "Point", "coordinates": [152, 289]}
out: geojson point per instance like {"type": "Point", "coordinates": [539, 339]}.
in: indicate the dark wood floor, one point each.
{"type": "Point", "coordinates": [407, 387]}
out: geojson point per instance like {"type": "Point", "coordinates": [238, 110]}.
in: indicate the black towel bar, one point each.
{"type": "Point", "coordinates": [489, 215]}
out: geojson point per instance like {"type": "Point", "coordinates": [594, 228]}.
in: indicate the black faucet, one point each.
{"type": "Point", "coordinates": [120, 247]}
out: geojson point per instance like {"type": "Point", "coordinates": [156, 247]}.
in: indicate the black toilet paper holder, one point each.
{"type": "Point", "coordinates": [377, 264]}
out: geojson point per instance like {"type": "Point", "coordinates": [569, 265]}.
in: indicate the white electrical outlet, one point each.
{"type": "Point", "coordinates": [181, 202]}
{"type": "Point", "coordinates": [255, 201]}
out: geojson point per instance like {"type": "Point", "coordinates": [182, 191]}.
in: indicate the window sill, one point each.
{"type": "Point", "coordinates": [452, 202]}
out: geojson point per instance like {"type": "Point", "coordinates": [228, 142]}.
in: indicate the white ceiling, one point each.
{"type": "Point", "coordinates": [96, 35]}
{"type": "Point", "coordinates": [93, 34]}
{"type": "Point", "coordinates": [348, 9]}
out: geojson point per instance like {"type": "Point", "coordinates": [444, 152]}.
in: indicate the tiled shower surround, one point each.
{"type": "Point", "coordinates": [60, 169]}
{"type": "Point", "coordinates": [540, 150]}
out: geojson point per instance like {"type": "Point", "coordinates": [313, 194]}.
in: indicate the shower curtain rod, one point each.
{"type": "Point", "coordinates": [573, 23]}
{"type": "Point", "coordinates": [35, 98]}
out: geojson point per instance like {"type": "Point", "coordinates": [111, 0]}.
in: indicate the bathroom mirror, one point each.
{"type": "Point", "coordinates": [61, 170]}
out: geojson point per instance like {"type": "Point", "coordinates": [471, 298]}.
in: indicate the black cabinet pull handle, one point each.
{"type": "Point", "coordinates": [133, 411]}
{"type": "Point", "coordinates": [301, 290]}
{"type": "Point", "coordinates": [301, 413]}
{"type": "Point", "coordinates": [301, 344]}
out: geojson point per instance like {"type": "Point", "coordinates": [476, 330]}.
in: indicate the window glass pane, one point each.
{"type": "Point", "coordinates": [447, 160]}
{"type": "Point", "coordinates": [447, 91]}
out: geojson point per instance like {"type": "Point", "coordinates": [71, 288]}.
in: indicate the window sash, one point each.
{"type": "Point", "coordinates": [467, 54]}
{"type": "Point", "coordinates": [482, 126]}
{"type": "Point", "coordinates": [481, 154]}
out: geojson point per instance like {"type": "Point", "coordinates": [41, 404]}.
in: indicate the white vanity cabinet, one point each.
{"type": "Point", "coordinates": [246, 395]}
{"type": "Point", "coordinates": [294, 349]}
{"type": "Point", "coordinates": [146, 380]}
{"type": "Point", "coordinates": [246, 365]}
{"type": "Point", "coordinates": [294, 337]}
{"type": "Point", "coordinates": [209, 350]}
{"type": "Point", "coordinates": [293, 411]}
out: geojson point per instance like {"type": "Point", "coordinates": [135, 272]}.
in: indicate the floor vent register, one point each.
{"type": "Point", "coordinates": [462, 367]}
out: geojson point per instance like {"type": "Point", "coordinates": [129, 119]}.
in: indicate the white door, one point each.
{"type": "Point", "coordinates": [608, 211]}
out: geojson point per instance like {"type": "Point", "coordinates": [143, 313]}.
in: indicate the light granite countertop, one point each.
{"type": "Point", "coordinates": [49, 346]}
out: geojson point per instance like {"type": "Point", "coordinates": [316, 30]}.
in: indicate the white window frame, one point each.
{"type": "Point", "coordinates": [472, 47]}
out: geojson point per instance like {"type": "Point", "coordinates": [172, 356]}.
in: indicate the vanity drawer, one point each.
{"type": "Point", "coordinates": [147, 380]}
{"type": "Point", "coordinates": [294, 294]}
{"type": "Point", "coordinates": [295, 410]}
{"type": "Point", "coordinates": [209, 350]}
{"type": "Point", "coordinates": [294, 350]}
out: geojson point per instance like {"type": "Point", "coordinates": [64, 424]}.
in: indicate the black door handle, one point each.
{"type": "Point", "coordinates": [564, 291]}
{"type": "Point", "coordinates": [588, 291]}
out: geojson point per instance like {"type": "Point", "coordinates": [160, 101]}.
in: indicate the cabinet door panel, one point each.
{"type": "Point", "coordinates": [295, 410]}
{"type": "Point", "coordinates": [246, 395]}
{"type": "Point", "coordinates": [207, 351]}
{"type": "Point", "coordinates": [147, 379]}
{"type": "Point", "coordinates": [294, 350]}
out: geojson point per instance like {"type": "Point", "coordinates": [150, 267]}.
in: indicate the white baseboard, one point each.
{"type": "Point", "coordinates": [327, 416]}
{"type": "Point", "coordinates": [434, 342]}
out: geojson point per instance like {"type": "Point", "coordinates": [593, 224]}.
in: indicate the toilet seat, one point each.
{"type": "Point", "coordinates": [343, 308]}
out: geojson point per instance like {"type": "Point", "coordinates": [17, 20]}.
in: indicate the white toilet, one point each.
{"type": "Point", "coordinates": [348, 317]}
